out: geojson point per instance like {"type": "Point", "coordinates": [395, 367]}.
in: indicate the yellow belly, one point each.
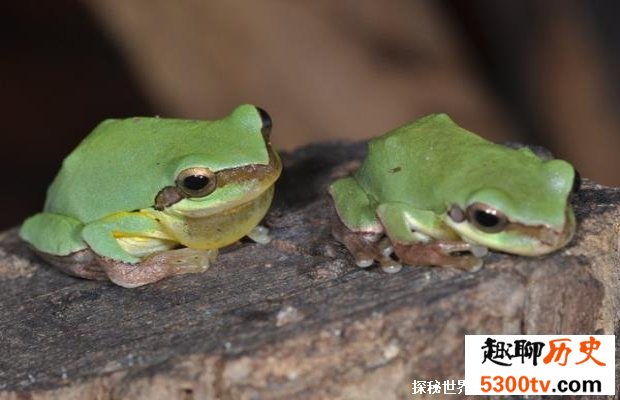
{"type": "Point", "coordinates": [223, 228]}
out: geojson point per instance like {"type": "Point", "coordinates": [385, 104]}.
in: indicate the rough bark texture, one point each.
{"type": "Point", "coordinates": [295, 318]}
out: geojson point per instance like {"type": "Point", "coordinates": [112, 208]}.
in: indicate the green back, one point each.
{"type": "Point", "coordinates": [123, 164]}
{"type": "Point", "coordinates": [432, 163]}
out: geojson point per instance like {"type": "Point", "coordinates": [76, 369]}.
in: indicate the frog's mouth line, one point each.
{"type": "Point", "coordinates": [260, 172]}
{"type": "Point", "coordinates": [550, 238]}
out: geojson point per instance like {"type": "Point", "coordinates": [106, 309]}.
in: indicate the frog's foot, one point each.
{"type": "Point", "coordinates": [440, 253]}
{"type": "Point", "coordinates": [387, 263]}
{"type": "Point", "coordinates": [157, 266]}
{"type": "Point", "coordinates": [260, 234]}
{"type": "Point", "coordinates": [363, 247]}
{"type": "Point", "coordinates": [366, 248]}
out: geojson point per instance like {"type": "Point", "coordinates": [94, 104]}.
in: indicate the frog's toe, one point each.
{"type": "Point", "coordinates": [364, 262]}
{"type": "Point", "coordinates": [477, 266]}
{"type": "Point", "coordinates": [391, 266]}
{"type": "Point", "coordinates": [479, 251]}
{"type": "Point", "coordinates": [385, 247]}
{"type": "Point", "coordinates": [260, 234]}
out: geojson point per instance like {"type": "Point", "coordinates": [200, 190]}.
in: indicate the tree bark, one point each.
{"type": "Point", "coordinates": [294, 318]}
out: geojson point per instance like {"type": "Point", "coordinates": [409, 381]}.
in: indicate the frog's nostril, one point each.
{"type": "Point", "coordinates": [457, 214]}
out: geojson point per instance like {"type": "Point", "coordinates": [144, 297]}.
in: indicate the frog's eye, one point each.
{"type": "Point", "coordinates": [486, 218]}
{"type": "Point", "coordinates": [266, 120]}
{"type": "Point", "coordinates": [196, 182]}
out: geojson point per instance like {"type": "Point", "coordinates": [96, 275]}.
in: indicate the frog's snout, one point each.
{"type": "Point", "coordinates": [552, 238]}
{"type": "Point", "coordinates": [555, 239]}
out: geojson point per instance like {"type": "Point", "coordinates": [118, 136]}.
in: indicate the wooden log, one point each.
{"type": "Point", "coordinates": [295, 318]}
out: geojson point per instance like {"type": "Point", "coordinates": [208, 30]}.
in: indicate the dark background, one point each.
{"type": "Point", "coordinates": [536, 72]}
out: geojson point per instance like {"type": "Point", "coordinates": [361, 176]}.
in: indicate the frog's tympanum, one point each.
{"type": "Point", "coordinates": [432, 193]}
{"type": "Point", "coordinates": [141, 199]}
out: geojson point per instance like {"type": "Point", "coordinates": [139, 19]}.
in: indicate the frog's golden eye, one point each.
{"type": "Point", "coordinates": [197, 181]}
{"type": "Point", "coordinates": [486, 218]}
{"type": "Point", "coordinates": [267, 123]}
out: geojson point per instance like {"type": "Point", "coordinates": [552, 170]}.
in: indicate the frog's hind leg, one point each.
{"type": "Point", "coordinates": [366, 248]}
{"type": "Point", "coordinates": [355, 224]}
{"type": "Point", "coordinates": [83, 264]}
{"type": "Point", "coordinates": [133, 250]}
{"type": "Point", "coordinates": [362, 246]}
{"type": "Point", "coordinates": [57, 239]}
{"type": "Point", "coordinates": [157, 266]}
{"type": "Point", "coordinates": [53, 233]}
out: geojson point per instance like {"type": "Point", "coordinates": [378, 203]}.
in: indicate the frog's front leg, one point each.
{"type": "Point", "coordinates": [420, 237]}
{"type": "Point", "coordinates": [133, 250]}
